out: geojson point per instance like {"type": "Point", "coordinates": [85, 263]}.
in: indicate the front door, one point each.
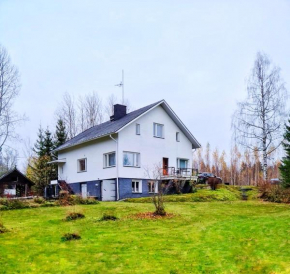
{"type": "Point", "coordinates": [84, 190]}
{"type": "Point", "coordinates": [108, 190]}
{"type": "Point", "coordinates": [165, 166]}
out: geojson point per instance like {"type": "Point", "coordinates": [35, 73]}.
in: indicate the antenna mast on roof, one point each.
{"type": "Point", "coordinates": [122, 85]}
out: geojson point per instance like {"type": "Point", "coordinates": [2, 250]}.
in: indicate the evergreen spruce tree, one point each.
{"type": "Point", "coordinates": [60, 136]}
{"type": "Point", "coordinates": [41, 172]}
{"type": "Point", "coordinates": [39, 145]}
{"type": "Point", "coordinates": [48, 145]}
{"type": "Point", "coordinates": [285, 165]}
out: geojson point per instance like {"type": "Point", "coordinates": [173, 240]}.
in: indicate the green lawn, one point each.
{"type": "Point", "coordinates": [203, 237]}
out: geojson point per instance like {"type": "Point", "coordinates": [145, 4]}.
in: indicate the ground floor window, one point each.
{"type": "Point", "coordinates": [136, 186]}
{"type": "Point", "coordinates": [153, 187]}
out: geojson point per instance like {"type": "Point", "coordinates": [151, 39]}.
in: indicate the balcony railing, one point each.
{"type": "Point", "coordinates": [179, 172]}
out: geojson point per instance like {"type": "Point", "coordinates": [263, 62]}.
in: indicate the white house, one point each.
{"type": "Point", "coordinates": [120, 158]}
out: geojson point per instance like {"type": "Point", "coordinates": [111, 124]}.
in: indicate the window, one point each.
{"type": "Point", "coordinates": [131, 159]}
{"type": "Point", "coordinates": [136, 186]}
{"type": "Point", "coordinates": [158, 130]}
{"type": "Point", "coordinates": [110, 159]}
{"type": "Point", "coordinates": [182, 163]}
{"type": "Point", "coordinates": [177, 137]}
{"type": "Point", "coordinates": [138, 129]}
{"type": "Point", "coordinates": [82, 165]}
{"type": "Point", "coordinates": [152, 187]}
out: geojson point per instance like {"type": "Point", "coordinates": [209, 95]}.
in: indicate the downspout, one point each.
{"type": "Point", "coordinates": [117, 165]}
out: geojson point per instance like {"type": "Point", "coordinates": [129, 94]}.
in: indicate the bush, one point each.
{"type": "Point", "coordinates": [79, 200]}
{"type": "Point", "coordinates": [70, 237]}
{"type": "Point", "coordinates": [275, 193]}
{"type": "Point", "coordinates": [65, 199]}
{"type": "Point", "coordinates": [39, 200]}
{"type": "Point", "coordinates": [13, 204]}
{"type": "Point", "coordinates": [3, 229]}
{"type": "Point", "coordinates": [74, 216]}
{"type": "Point", "coordinates": [108, 217]}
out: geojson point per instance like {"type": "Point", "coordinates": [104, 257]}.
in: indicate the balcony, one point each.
{"type": "Point", "coordinates": [171, 173]}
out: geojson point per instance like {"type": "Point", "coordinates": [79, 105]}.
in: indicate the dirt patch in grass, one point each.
{"type": "Point", "coordinates": [70, 237]}
{"type": "Point", "coordinates": [151, 215]}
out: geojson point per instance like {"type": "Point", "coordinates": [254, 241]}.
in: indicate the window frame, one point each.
{"type": "Point", "coordinates": [154, 185]}
{"type": "Point", "coordinates": [106, 159]}
{"type": "Point", "coordinates": [78, 165]}
{"type": "Point", "coordinates": [177, 136]}
{"type": "Point", "coordinates": [137, 159]}
{"type": "Point", "coordinates": [184, 159]}
{"type": "Point", "coordinates": [134, 181]}
{"type": "Point", "coordinates": [155, 130]}
{"type": "Point", "coordinates": [138, 129]}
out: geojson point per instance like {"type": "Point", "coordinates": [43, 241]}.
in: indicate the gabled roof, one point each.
{"type": "Point", "coordinates": [111, 127]}
{"type": "Point", "coordinates": [10, 176]}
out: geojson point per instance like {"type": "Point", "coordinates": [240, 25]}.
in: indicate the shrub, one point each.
{"type": "Point", "coordinates": [79, 200]}
{"type": "Point", "coordinates": [108, 217]}
{"type": "Point", "coordinates": [74, 216]}
{"type": "Point", "coordinates": [274, 193]}
{"type": "Point", "coordinates": [70, 237]}
{"type": "Point", "coordinates": [39, 200]}
{"type": "Point", "coordinates": [13, 204]}
{"type": "Point", "coordinates": [3, 229]}
{"type": "Point", "coordinates": [65, 199]}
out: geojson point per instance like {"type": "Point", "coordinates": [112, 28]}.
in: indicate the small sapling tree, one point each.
{"type": "Point", "coordinates": [154, 175]}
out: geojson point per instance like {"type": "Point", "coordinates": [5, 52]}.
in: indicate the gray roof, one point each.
{"type": "Point", "coordinates": [106, 128]}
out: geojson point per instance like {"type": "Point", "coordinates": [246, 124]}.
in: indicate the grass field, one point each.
{"type": "Point", "coordinates": [208, 237]}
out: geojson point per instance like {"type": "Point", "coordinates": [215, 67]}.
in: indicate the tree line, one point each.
{"type": "Point", "coordinates": [238, 167]}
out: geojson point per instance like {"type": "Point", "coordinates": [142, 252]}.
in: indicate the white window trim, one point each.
{"type": "Point", "coordinates": [106, 159]}
{"type": "Point", "coordinates": [140, 186]}
{"type": "Point", "coordinates": [78, 165]}
{"type": "Point", "coordinates": [155, 130]}
{"type": "Point", "coordinates": [137, 159]}
{"type": "Point", "coordinates": [138, 129]}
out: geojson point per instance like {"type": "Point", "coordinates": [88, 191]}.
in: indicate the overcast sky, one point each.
{"type": "Point", "coordinates": [194, 54]}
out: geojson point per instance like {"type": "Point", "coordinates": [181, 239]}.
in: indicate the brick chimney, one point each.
{"type": "Point", "coordinates": [119, 112]}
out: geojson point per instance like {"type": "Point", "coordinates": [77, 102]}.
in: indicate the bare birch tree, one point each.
{"type": "Point", "coordinates": [109, 108]}
{"type": "Point", "coordinates": [93, 110]}
{"type": "Point", "coordinates": [259, 119]}
{"type": "Point", "coordinates": [9, 89]}
{"type": "Point", "coordinates": [68, 113]}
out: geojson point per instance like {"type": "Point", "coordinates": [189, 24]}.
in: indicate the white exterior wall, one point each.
{"type": "Point", "coordinates": [93, 151]}
{"type": "Point", "coordinates": [152, 149]}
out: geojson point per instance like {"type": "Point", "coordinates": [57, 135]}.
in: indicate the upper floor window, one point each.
{"type": "Point", "coordinates": [158, 130]}
{"type": "Point", "coordinates": [82, 165]}
{"type": "Point", "coordinates": [138, 132]}
{"type": "Point", "coordinates": [136, 186]}
{"type": "Point", "coordinates": [177, 137]}
{"type": "Point", "coordinates": [131, 159]}
{"type": "Point", "coordinates": [182, 163]}
{"type": "Point", "coordinates": [110, 159]}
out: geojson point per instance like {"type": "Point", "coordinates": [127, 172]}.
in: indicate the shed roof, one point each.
{"type": "Point", "coordinates": [14, 175]}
